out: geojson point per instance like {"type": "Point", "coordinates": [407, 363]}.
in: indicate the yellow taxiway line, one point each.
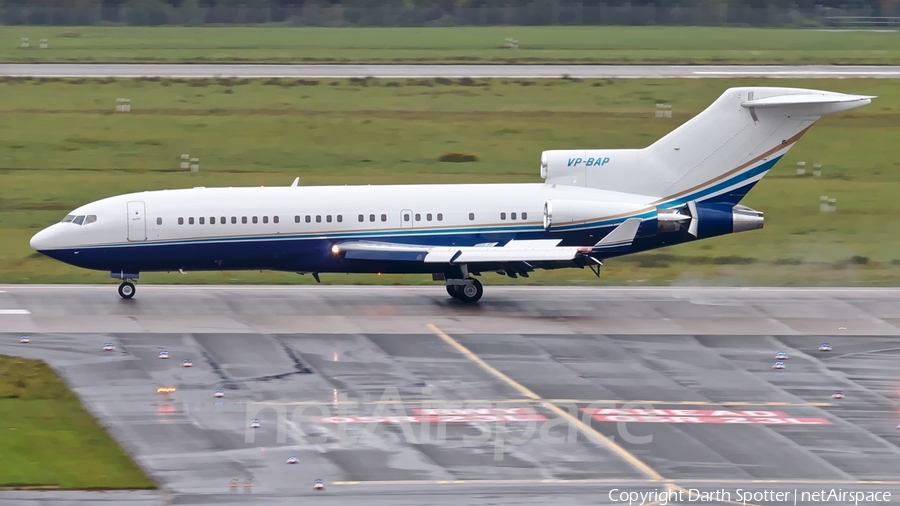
{"type": "Point", "coordinates": [584, 428]}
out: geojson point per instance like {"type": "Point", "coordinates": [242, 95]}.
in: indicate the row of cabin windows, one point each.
{"type": "Point", "coordinates": [428, 216]}
{"type": "Point", "coordinates": [512, 216]}
{"type": "Point", "coordinates": [223, 220]}
{"type": "Point", "coordinates": [328, 218]}
{"type": "Point", "coordinates": [308, 219]}
{"type": "Point", "coordinates": [339, 218]}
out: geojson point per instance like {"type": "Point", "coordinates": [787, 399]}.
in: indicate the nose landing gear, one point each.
{"type": "Point", "coordinates": [126, 289]}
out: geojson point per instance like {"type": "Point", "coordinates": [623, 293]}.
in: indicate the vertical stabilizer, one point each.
{"type": "Point", "coordinates": [716, 156]}
{"type": "Point", "coordinates": [722, 152]}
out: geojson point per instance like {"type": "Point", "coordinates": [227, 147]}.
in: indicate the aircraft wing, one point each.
{"type": "Point", "coordinates": [522, 251]}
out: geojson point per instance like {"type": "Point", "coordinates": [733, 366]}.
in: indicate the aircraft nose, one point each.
{"type": "Point", "coordinates": [42, 240]}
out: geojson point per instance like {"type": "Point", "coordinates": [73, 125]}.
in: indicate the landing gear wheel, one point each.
{"type": "Point", "coordinates": [453, 291]}
{"type": "Point", "coordinates": [126, 290]}
{"type": "Point", "coordinates": [470, 292]}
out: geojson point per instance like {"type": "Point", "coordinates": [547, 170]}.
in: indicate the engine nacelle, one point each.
{"type": "Point", "coordinates": [558, 212]}
{"type": "Point", "coordinates": [709, 219]}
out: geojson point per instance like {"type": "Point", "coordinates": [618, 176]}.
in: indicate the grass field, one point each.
{"type": "Point", "coordinates": [607, 44]}
{"type": "Point", "coordinates": [63, 145]}
{"type": "Point", "coordinates": [48, 440]}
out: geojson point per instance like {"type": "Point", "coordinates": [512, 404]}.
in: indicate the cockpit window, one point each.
{"type": "Point", "coordinates": [79, 220]}
{"type": "Point", "coordinates": [69, 218]}
{"type": "Point", "coordinates": [90, 218]}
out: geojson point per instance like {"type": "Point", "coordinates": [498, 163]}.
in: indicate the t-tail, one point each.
{"type": "Point", "coordinates": [708, 164]}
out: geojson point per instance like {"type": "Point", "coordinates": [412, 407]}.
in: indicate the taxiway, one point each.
{"type": "Point", "coordinates": [537, 395]}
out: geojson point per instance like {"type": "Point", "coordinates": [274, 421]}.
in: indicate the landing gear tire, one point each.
{"type": "Point", "coordinates": [452, 291]}
{"type": "Point", "coordinates": [471, 292]}
{"type": "Point", "coordinates": [126, 290]}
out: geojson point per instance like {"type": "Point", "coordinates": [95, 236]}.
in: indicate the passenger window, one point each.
{"type": "Point", "coordinates": [361, 218]}
{"type": "Point", "coordinates": [308, 218]}
{"type": "Point", "coordinates": [93, 217]}
{"type": "Point", "coordinates": [212, 220]}
{"type": "Point", "coordinates": [340, 218]}
{"type": "Point", "coordinates": [428, 217]}
{"type": "Point", "coordinates": [524, 216]}
{"type": "Point", "coordinates": [191, 220]}
{"type": "Point", "coordinates": [255, 220]}
{"type": "Point", "coordinates": [512, 216]}
{"type": "Point", "coordinates": [328, 218]}
{"type": "Point", "coordinates": [244, 220]}
{"type": "Point", "coordinates": [181, 221]}
{"type": "Point", "coordinates": [297, 219]}
{"type": "Point", "coordinates": [79, 220]}
{"type": "Point", "coordinates": [440, 217]}
{"type": "Point", "coordinates": [158, 221]}
{"type": "Point", "coordinates": [202, 220]}
{"type": "Point", "coordinates": [265, 219]}
{"type": "Point", "coordinates": [234, 220]}
{"type": "Point", "coordinates": [318, 218]}
{"type": "Point", "coordinates": [405, 217]}
{"type": "Point", "coordinates": [383, 217]}
{"type": "Point", "coordinates": [471, 216]}
{"type": "Point", "coordinates": [502, 216]}
{"type": "Point", "coordinates": [418, 217]}
{"type": "Point", "coordinates": [274, 219]}
{"type": "Point", "coordinates": [68, 219]}
{"type": "Point", "coordinates": [371, 217]}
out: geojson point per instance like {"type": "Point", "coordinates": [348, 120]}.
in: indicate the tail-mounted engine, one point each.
{"type": "Point", "coordinates": [702, 219]}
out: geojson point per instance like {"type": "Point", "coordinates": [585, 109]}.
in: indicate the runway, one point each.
{"type": "Point", "coordinates": [251, 71]}
{"type": "Point", "coordinates": [537, 395]}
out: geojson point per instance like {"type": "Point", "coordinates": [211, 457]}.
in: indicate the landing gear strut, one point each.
{"type": "Point", "coordinates": [126, 290]}
{"type": "Point", "coordinates": [469, 290]}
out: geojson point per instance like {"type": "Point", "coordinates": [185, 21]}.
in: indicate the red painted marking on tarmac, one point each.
{"type": "Point", "coordinates": [431, 418]}
{"type": "Point", "coordinates": [474, 411]}
{"type": "Point", "coordinates": [699, 416]}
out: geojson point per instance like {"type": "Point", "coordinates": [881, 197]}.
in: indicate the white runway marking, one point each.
{"type": "Point", "coordinates": [266, 71]}
{"type": "Point", "coordinates": [14, 311]}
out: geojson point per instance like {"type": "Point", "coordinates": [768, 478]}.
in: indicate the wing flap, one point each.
{"type": "Point", "coordinates": [516, 251]}
{"type": "Point", "coordinates": [538, 250]}
{"type": "Point", "coordinates": [468, 255]}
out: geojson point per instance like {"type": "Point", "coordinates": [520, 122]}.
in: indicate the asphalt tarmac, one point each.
{"type": "Point", "coordinates": [187, 71]}
{"type": "Point", "coordinates": [399, 395]}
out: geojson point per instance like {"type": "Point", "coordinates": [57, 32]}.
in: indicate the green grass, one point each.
{"type": "Point", "coordinates": [607, 44]}
{"type": "Point", "coordinates": [48, 440]}
{"type": "Point", "coordinates": [62, 146]}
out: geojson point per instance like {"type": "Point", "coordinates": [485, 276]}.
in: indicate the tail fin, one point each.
{"type": "Point", "coordinates": [717, 156]}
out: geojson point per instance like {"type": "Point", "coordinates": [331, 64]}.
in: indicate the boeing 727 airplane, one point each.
{"type": "Point", "coordinates": [594, 204]}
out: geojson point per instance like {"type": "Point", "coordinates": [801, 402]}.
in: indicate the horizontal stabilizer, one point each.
{"type": "Point", "coordinates": [823, 98]}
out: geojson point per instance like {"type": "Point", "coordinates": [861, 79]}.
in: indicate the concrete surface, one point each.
{"type": "Point", "coordinates": [698, 361]}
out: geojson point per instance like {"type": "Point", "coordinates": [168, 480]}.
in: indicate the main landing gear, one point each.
{"type": "Point", "coordinates": [467, 290]}
{"type": "Point", "coordinates": [126, 290]}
